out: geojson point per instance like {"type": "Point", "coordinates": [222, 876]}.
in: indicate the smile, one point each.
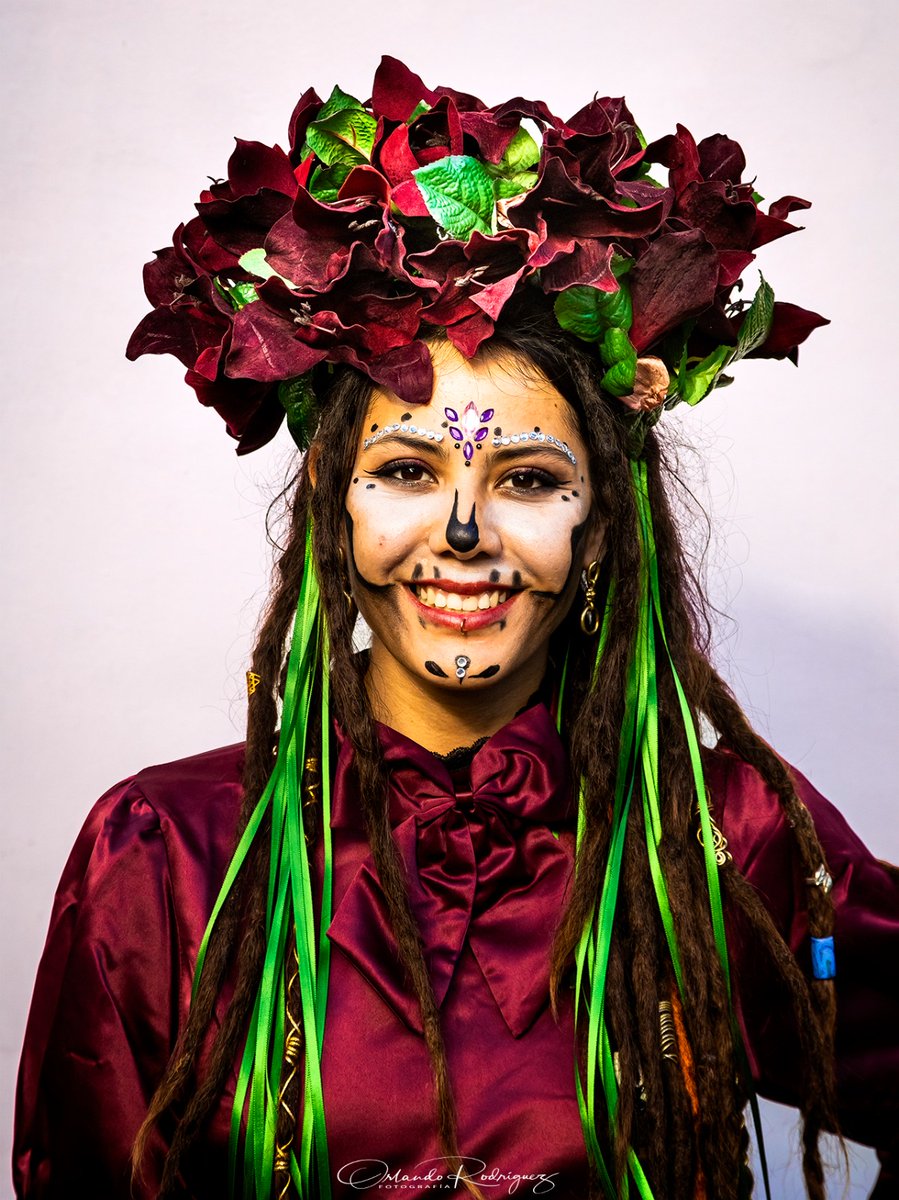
{"type": "Point", "coordinates": [433, 597]}
{"type": "Point", "coordinates": [464, 607]}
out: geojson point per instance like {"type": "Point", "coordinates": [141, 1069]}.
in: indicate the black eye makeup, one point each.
{"type": "Point", "coordinates": [533, 480]}
{"type": "Point", "coordinates": [408, 472]}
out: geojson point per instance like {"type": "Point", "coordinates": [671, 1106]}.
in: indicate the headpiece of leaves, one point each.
{"type": "Point", "coordinates": [424, 208]}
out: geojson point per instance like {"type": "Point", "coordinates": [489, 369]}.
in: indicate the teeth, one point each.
{"type": "Point", "coordinates": [452, 601]}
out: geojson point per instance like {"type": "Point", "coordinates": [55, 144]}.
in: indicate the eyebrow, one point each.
{"type": "Point", "coordinates": [440, 451]}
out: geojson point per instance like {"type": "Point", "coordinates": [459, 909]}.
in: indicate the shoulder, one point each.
{"type": "Point", "coordinates": [168, 830]}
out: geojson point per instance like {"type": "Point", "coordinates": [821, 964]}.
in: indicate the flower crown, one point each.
{"type": "Point", "coordinates": [424, 208]}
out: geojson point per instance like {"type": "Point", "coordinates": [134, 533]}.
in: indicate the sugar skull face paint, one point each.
{"type": "Point", "coordinates": [465, 555]}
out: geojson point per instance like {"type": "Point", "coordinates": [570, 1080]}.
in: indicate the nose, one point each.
{"type": "Point", "coordinates": [464, 531]}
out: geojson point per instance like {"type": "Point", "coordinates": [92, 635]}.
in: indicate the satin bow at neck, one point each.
{"type": "Point", "coordinates": [483, 866]}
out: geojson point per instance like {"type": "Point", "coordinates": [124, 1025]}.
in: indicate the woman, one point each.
{"type": "Point", "coordinates": [494, 919]}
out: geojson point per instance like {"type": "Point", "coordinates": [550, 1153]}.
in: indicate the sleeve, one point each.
{"type": "Point", "coordinates": [105, 1008]}
{"type": "Point", "coordinates": [866, 943]}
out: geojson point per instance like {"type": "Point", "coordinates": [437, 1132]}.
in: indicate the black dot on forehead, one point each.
{"type": "Point", "coordinates": [498, 431]}
{"type": "Point", "coordinates": [467, 463]}
{"type": "Point", "coordinates": [444, 424]}
{"type": "Point", "coordinates": [536, 429]}
{"type": "Point", "coordinates": [374, 427]}
{"type": "Point", "coordinates": [406, 417]}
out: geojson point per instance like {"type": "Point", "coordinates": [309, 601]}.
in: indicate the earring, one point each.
{"type": "Point", "coordinates": [590, 617]}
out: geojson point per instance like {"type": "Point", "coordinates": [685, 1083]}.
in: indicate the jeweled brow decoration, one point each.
{"type": "Point", "coordinates": [470, 429]}
{"type": "Point", "coordinates": [515, 439]}
{"type": "Point", "coordinates": [432, 435]}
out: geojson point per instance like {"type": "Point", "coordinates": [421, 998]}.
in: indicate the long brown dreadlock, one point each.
{"type": "Point", "coordinates": [682, 1111]}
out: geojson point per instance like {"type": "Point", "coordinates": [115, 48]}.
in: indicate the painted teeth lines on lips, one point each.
{"type": "Point", "coordinates": [433, 597]}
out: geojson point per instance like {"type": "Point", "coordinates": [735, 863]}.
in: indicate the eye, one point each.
{"type": "Point", "coordinates": [406, 471]}
{"type": "Point", "coordinates": [530, 479]}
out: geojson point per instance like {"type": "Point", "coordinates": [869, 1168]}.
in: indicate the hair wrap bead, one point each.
{"type": "Point", "coordinates": [824, 963]}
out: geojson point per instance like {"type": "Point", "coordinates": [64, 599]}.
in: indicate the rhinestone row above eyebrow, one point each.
{"type": "Point", "coordinates": [402, 427]}
{"type": "Point", "coordinates": [515, 438]}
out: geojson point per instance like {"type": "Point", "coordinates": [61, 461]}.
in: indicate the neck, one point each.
{"type": "Point", "coordinates": [443, 717]}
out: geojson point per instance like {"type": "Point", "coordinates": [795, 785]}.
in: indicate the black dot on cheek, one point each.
{"type": "Point", "coordinates": [582, 479]}
{"type": "Point", "coordinates": [574, 493]}
{"type": "Point", "coordinates": [369, 486]}
{"type": "Point", "coordinates": [373, 428]}
{"type": "Point", "coordinates": [356, 479]}
{"type": "Point", "coordinates": [568, 498]}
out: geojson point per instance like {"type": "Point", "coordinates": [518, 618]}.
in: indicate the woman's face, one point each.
{"type": "Point", "coordinates": [468, 522]}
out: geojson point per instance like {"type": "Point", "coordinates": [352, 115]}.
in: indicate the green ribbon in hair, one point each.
{"type": "Point", "coordinates": [289, 916]}
{"type": "Point", "coordinates": [637, 782]}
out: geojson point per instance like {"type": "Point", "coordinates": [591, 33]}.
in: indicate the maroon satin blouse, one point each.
{"type": "Point", "coordinates": [489, 857]}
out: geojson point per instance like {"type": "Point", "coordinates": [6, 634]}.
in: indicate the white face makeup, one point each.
{"type": "Point", "coordinates": [468, 524]}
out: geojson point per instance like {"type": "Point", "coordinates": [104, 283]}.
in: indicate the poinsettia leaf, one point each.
{"type": "Point", "coordinates": [757, 322]}
{"type": "Point", "coordinates": [458, 193]}
{"type": "Point", "coordinates": [521, 153]}
{"type": "Point", "coordinates": [698, 381]}
{"type": "Point", "coordinates": [345, 137]}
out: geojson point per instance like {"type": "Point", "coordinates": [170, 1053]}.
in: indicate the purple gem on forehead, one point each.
{"type": "Point", "coordinates": [471, 427]}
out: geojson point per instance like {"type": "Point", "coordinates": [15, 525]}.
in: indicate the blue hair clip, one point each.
{"type": "Point", "coordinates": [824, 963]}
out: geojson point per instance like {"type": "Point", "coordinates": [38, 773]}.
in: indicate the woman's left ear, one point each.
{"type": "Point", "coordinates": [595, 545]}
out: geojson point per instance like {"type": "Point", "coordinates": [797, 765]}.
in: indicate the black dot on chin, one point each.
{"type": "Point", "coordinates": [373, 428]}
{"type": "Point", "coordinates": [406, 417]}
{"type": "Point", "coordinates": [369, 486]}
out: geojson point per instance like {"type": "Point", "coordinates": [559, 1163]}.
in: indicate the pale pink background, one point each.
{"type": "Point", "coordinates": [134, 550]}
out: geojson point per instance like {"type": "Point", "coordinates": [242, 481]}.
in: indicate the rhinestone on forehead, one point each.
{"type": "Point", "coordinates": [403, 427]}
{"type": "Point", "coordinates": [515, 439]}
{"type": "Point", "coordinates": [469, 429]}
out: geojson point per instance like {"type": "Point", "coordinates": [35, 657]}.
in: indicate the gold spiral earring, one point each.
{"type": "Point", "coordinates": [590, 617]}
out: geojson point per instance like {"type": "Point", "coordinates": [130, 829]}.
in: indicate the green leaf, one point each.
{"type": "Point", "coordinates": [620, 357]}
{"type": "Point", "coordinates": [336, 102]}
{"type": "Point", "coordinates": [521, 153]}
{"type": "Point", "coordinates": [298, 401]}
{"type": "Point", "coordinates": [458, 193]}
{"type": "Point", "coordinates": [419, 110]}
{"type": "Point", "coordinates": [347, 136]}
{"type": "Point", "coordinates": [326, 182]}
{"type": "Point", "coordinates": [588, 313]}
{"type": "Point", "coordinates": [757, 322]}
{"type": "Point", "coordinates": [255, 262]}
{"type": "Point", "coordinates": [698, 381]}
{"type": "Point", "coordinates": [239, 295]}
{"type": "Point", "coordinates": [507, 186]}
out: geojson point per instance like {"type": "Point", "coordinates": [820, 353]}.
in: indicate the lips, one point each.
{"type": "Point", "coordinates": [461, 606]}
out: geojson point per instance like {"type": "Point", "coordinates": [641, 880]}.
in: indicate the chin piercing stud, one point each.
{"type": "Point", "coordinates": [462, 665]}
